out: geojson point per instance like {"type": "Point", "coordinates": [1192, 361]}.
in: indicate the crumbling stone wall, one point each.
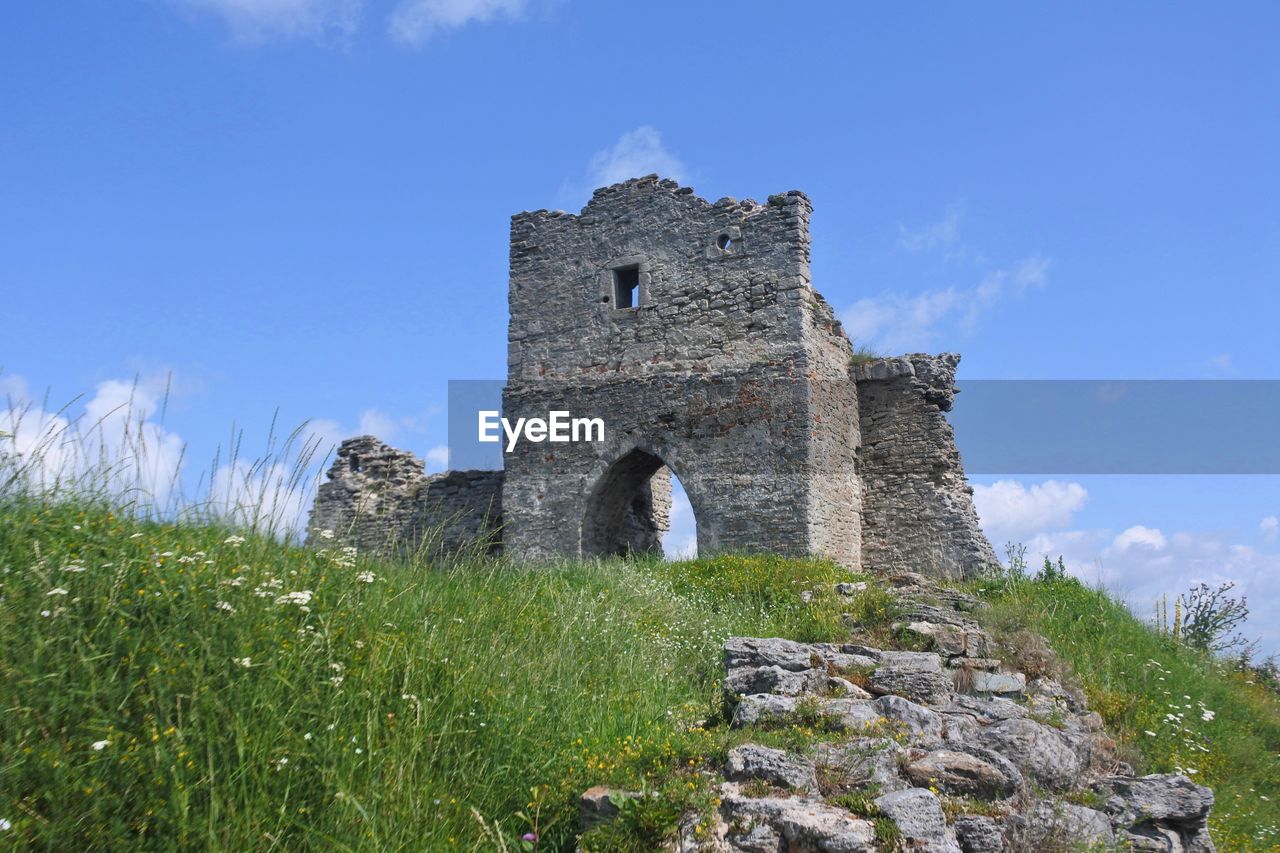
{"type": "Point", "coordinates": [693, 330]}
{"type": "Point", "coordinates": [917, 510]}
{"type": "Point", "coordinates": [379, 499]}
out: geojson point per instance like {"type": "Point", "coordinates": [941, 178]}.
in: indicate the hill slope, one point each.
{"type": "Point", "coordinates": [186, 683]}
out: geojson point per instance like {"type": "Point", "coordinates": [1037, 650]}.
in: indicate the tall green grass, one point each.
{"type": "Point", "coordinates": [173, 685]}
{"type": "Point", "coordinates": [1173, 709]}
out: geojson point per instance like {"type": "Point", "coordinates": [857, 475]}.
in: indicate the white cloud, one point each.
{"type": "Point", "coordinates": [113, 447]}
{"type": "Point", "coordinates": [940, 234]}
{"type": "Point", "coordinates": [1141, 564]}
{"type": "Point", "coordinates": [1139, 536]}
{"type": "Point", "coordinates": [637, 153]}
{"type": "Point", "coordinates": [895, 322]}
{"type": "Point", "coordinates": [1221, 363]}
{"type": "Point", "coordinates": [261, 20]}
{"type": "Point", "coordinates": [1009, 509]}
{"type": "Point", "coordinates": [438, 458]}
{"type": "Point", "coordinates": [13, 388]}
{"type": "Point", "coordinates": [1269, 527]}
{"type": "Point", "coordinates": [414, 22]}
{"type": "Point", "coordinates": [376, 423]}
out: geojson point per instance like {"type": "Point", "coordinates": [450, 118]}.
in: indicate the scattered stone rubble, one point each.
{"type": "Point", "coordinates": [946, 750]}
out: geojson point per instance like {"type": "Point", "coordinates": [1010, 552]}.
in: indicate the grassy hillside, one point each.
{"type": "Point", "coordinates": [186, 684]}
{"type": "Point", "coordinates": [1172, 709]}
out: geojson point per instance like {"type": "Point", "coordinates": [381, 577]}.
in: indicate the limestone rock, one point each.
{"type": "Point", "coordinates": [1061, 824]}
{"type": "Point", "coordinates": [978, 834]}
{"type": "Point", "coordinates": [913, 684]}
{"type": "Point", "coordinates": [920, 722]}
{"type": "Point", "coordinates": [768, 824]}
{"type": "Point", "coordinates": [771, 679]}
{"type": "Point", "coordinates": [959, 773]}
{"type": "Point", "coordinates": [770, 651]}
{"type": "Point", "coordinates": [1039, 751]}
{"type": "Point", "coordinates": [999, 683]}
{"type": "Point", "coordinates": [770, 765]}
{"type": "Point", "coordinates": [862, 761]}
{"type": "Point", "coordinates": [760, 708]}
{"type": "Point", "coordinates": [1150, 810]}
{"type": "Point", "coordinates": [917, 812]}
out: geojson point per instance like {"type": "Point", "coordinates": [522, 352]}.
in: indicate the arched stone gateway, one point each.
{"type": "Point", "coordinates": [693, 331]}
{"type": "Point", "coordinates": [628, 508]}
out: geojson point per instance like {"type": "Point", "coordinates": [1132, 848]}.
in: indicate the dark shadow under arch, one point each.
{"type": "Point", "coordinates": [620, 512]}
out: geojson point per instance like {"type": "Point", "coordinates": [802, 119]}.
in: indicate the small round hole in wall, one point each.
{"type": "Point", "coordinates": [724, 243]}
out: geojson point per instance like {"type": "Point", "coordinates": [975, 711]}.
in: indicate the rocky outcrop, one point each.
{"type": "Point", "coordinates": [943, 751]}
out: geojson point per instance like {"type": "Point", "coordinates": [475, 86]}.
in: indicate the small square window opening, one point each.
{"type": "Point", "coordinates": [626, 287]}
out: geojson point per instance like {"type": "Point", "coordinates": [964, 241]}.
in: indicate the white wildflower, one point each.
{"type": "Point", "coordinates": [57, 590]}
{"type": "Point", "coordinates": [233, 540]}
{"type": "Point", "coordinates": [45, 613]}
{"type": "Point", "coordinates": [307, 736]}
{"type": "Point", "coordinates": [1149, 732]}
{"type": "Point", "coordinates": [326, 534]}
{"type": "Point", "coordinates": [1207, 715]}
{"type": "Point", "coordinates": [99, 745]}
{"type": "Point", "coordinates": [5, 826]}
{"type": "Point", "coordinates": [300, 597]}
{"type": "Point", "coordinates": [73, 568]}
{"type": "Point", "coordinates": [225, 607]}
{"type": "Point", "coordinates": [366, 577]}
{"type": "Point", "coordinates": [245, 662]}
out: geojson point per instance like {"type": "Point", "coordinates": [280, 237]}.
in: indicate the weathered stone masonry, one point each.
{"type": "Point", "coordinates": [693, 330]}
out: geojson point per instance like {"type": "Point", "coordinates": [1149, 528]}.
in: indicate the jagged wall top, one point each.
{"type": "Point", "coordinates": [719, 286]}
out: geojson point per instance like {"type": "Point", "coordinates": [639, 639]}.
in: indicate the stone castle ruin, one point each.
{"type": "Point", "coordinates": [693, 329]}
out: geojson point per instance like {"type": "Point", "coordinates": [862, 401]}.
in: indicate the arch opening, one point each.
{"type": "Point", "coordinates": [630, 510]}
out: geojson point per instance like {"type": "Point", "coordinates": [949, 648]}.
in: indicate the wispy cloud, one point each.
{"type": "Point", "coordinates": [1222, 364]}
{"type": "Point", "coordinates": [438, 458]}
{"type": "Point", "coordinates": [895, 322]}
{"type": "Point", "coordinates": [1010, 510]}
{"type": "Point", "coordinates": [636, 153]}
{"type": "Point", "coordinates": [256, 21]}
{"type": "Point", "coordinates": [937, 235]}
{"type": "Point", "coordinates": [414, 22]}
{"type": "Point", "coordinates": [1140, 562]}
{"type": "Point", "coordinates": [112, 442]}
{"type": "Point", "coordinates": [1269, 528]}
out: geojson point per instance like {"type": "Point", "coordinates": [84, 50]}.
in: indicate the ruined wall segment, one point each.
{"type": "Point", "coordinates": [379, 499]}
{"type": "Point", "coordinates": [917, 510]}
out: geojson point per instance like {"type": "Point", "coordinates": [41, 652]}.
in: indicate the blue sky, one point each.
{"type": "Point", "coordinates": [302, 206]}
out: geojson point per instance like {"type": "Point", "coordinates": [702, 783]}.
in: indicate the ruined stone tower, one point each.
{"type": "Point", "coordinates": [693, 330]}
